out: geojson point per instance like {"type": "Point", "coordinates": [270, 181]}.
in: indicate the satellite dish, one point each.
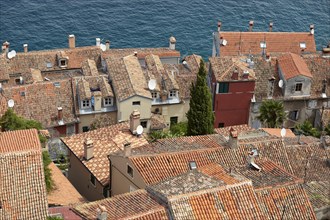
{"type": "Point", "coordinates": [11, 54]}
{"type": "Point", "coordinates": [283, 132]}
{"type": "Point", "coordinates": [224, 42]}
{"type": "Point", "coordinates": [103, 47]}
{"type": "Point", "coordinates": [280, 83]}
{"type": "Point", "coordinates": [152, 84]}
{"type": "Point", "coordinates": [11, 103]}
{"type": "Point", "coordinates": [139, 130]}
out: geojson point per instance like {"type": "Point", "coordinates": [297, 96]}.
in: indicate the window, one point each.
{"type": "Point", "coordinates": [85, 128]}
{"type": "Point", "coordinates": [174, 120]}
{"type": "Point", "coordinates": [17, 81]}
{"type": "Point", "coordinates": [192, 165]}
{"type": "Point", "coordinates": [107, 101]}
{"type": "Point", "coordinates": [136, 103]}
{"type": "Point", "coordinates": [85, 103]}
{"type": "Point", "coordinates": [172, 94]}
{"type": "Point", "coordinates": [298, 87]}
{"type": "Point", "coordinates": [57, 84]}
{"type": "Point", "coordinates": [294, 115]}
{"type": "Point", "coordinates": [263, 44]}
{"type": "Point", "coordinates": [130, 170]}
{"type": "Point", "coordinates": [49, 65]}
{"type": "Point", "coordinates": [221, 125]}
{"type": "Point", "coordinates": [144, 124]}
{"type": "Point", "coordinates": [62, 63]}
{"type": "Point", "coordinates": [223, 88]}
{"type": "Point", "coordinates": [154, 95]}
{"type": "Point", "coordinates": [92, 179]}
{"type": "Point", "coordinates": [302, 45]}
{"type": "Point", "coordinates": [106, 191]}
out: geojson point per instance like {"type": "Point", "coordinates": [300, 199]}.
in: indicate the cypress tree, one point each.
{"type": "Point", "coordinates": [200, 115]}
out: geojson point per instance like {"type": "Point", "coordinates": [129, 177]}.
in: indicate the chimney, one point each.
{"type": "Point", "coordinates": [72, 41]}
{"type": "Point", "coordinates": [233, 138]}
{"type": "Point", "coordinates": [97, 100]}
{"type": "Point", "coordinates": [25, 46]}
{"type": "Point", "coordinates": [135, 53]}
{"type": "Point", "coordinates": [102, 213]}
{"type": "Point", "coordinates": [267, 56]}
{"type": "Point", "coordinates": [245, 74]}
{"type": "Point", "coordinates": [5, 47]}
{"type": "Point", "coordinates": [219, 26]}
{"type": "Point", "coordinates": [311, 29]}
{"type": "Point", "coordinates": [251, 26]}
{"type": "Point", "coordinates": [98, 41]}
{"type": "Point", "coordinates": [107, 45]}
{"type": "Point", "coordinates": [172, 43]}
{"type": "Point", "coordinates": [234, 76]}
{"type": "Point", "coordinates": [88, 149]}
{"type": "Point", "coordinates": [134, 121]}
{"type": "Point", "coordinates": [59, 113]}
{"type": "Point", "coordinates": [127, 149]}
{"type": "Point", "coordinates": [270, 26]}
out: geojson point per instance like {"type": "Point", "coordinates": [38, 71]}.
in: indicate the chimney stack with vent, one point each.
{"type": "Point", "coordinates": [234, 76]}
{"type": "Point", "coordinates": [127, 149]}
{"type": "Point", "coordinates": [233, 138]}
{"type": "Point", "coordinates": [311, 29]}
{"type": "Point", "coordinates": [88, 149]}
{"type": "Point", "coordinates": [172, 43]}
{"type": "Point", "coordinates": [251, 25]}
{"type": "Point", "coordinates": [245, 74]}
{"type": "Point", "coordinates": [135, 53]}
{"type": "Point", "coordinates": [102, 213]}
{"type": "Point", "coordinates": [25, 47]}
{"type": "Point", "coordinates": [219, 26]}
{"type": "Point", "coordinates": [72, 41]}
{"type": "Point", "coordinates": [134, 121]}
{"type": "Point", "coordinates": [59, 113]}
{"type": "Point", "coordinates": [270, 26]}
{"type": "Point", "coordinates": [97, 100]}
{"type": "Point", "coordinates": [5, 47]}
{"type": "Point", "coordinates": [107, 45]}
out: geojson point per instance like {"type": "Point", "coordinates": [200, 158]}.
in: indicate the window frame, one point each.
{"type": "Point", "coordinates": [130, 171]}
{"type": "Point", "coordinates": [136, 103]}
{"type": "Point", "coordinates": [84, 102]}
{"type": "Point", "coordinates": [171, 92]}
{"type": "Point", "coordinates": [65, 63]}
{"type": "Point", "coordinates": [223, 88]}
{"type": "Point", "coordinates": [144, 122]}
{"type": "Point", "coordinates": [154, 95]}
{"type": "Point", "coordinates": [92, 179]}
{"type": "Point", "coordinates": [294, 113]}
{"type": "Point", "coordinates": [106, 101]}
{"type": "Point", "coordinates": [298, 87]}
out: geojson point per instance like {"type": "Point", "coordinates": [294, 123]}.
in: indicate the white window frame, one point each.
{"type": "Point", "coordinates": [295, 87]}
{"type": "Point", "coordinates": [154, 95]}
{"type": "Point", "coordinates": [172, 94]}
{"type": "Point", "coordinates": [65, 61]}
{"type": "Point", "coordinates": [86, 103]}
{"type": "Point", "coordinates": [106, 101]}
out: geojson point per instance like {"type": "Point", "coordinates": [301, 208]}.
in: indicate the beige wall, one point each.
{"type": "Point", "coordinates": [79, 176]}
{"type": "Point", "coordinates": [86, 120]}
{"type": "Point", "coordinates": [120, 179]}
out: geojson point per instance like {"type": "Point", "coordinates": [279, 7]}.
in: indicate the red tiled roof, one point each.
{"type": "Point", "coordinates": [65, 212]}
{"type": "Point", "coordinates": [239, 128]}
{"type": "Point", "coordinates": [243, 43]}
{"type": "Point", "coordinates": [141, 52]}
{"type": "Point", "coordinates": [293, 65]}
{"type": "Point", "coordinates": [136, 205]}
{"type": "Point", "coordinates": [21, 140]}
{"type": "Point", "coordinates": [277, 132]}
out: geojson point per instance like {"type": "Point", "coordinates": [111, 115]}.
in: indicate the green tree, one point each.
{"type": "Point", "coordinates": [200, 115]}
{"type": "Point", "coordinates": [10, 122]}
{"type": "Point", "coordinates": [272, 114]}
{"type": "Point", "coordinates": [327, 129]}
{"type": "Point", "coordinates": [307, 129]}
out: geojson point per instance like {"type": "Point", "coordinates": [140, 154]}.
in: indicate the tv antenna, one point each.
{"type": "Point", "coordinates": [11, 103]}
{"type": "Point", "coordinates": [152, 84]}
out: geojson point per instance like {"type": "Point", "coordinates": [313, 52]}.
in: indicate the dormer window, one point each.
{"type": "Point", "coordinates": [298, 87]}
{"type": "Point", "coordinates": [172, 94]}
{"type": "Point", "coordinates": [107, 101]}
{"type": "Point", "coordinates": [154, 95]}
{"type": "Point", "coordinates": [85, 103]}
{"type": "Point", "coordinates": [63, 63]}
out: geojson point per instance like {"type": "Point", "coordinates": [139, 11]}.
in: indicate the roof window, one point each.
{"type": "Point", "coordinates": [57, 84]}
{"type": "Point", "coordinates": [192, 165]}
{"type": "Point", "coordinates": [302, 45]}
{"type": "Point", "coordinates": [263, 44]}
{"type": "Point", "coordinates": [49, 65]}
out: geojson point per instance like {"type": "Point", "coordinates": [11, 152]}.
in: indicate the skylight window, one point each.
{"type": "Point", "coordinates": [192, 165]}
{"type": "Point", "coordinates": [49, 65]}
{"type": "Point", "coordinates": [57, 84]}
{"type": "Point", "coordinates": [263, 44]}
{"type": "Point", "coordinates": [302, 45]}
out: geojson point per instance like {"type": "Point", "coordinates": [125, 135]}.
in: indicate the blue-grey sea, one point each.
{"type": "Point", "coordinates": [45, 24]}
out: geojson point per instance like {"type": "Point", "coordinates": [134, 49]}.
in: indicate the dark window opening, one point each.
{"type": "Point", "coordinates": [221, 125]}
{"type": "Point", "coordinates": [298, 87]}
{"type": "Point", "coordinates": [63, 62]}
{"type": "Point", "coordinates": [130, 170]}
{"type": "Point", "coordinates": [85, 128]}
{"type": "Point", "coordinates": [136, 103]}
{"type": "Point", "coordinates": [174, 120]}
{"type": "Point", "coordinates": [106, 191]}
{"type": "Point", "coordinates": [92, 179]}
{"type": "Point", "coordinates": [294, 115]}
{"type": "Point", "coordinates": [223, 88]}
{"type": "Point", "coordinates": [18, 81]}
{"type": "Point", "coordinates": [144, 124]}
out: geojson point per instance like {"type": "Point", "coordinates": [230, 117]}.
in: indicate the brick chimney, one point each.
{"type": "Point", "coordinates": [251, 26]}
{"type": "Point", "coordinates": [172, 43]}
{"type": "Point", "coordinates": [127, 149]}
{"type": "Point", "coordinates": [59, 113]}
{"type": "Point", "coordinates": [102, 213]}
{"type": "Point", "coordinates": [311, 29]}
{"type": "Point", "coordinates": [245, 74]}
{"type": "Point", "coordinates": [270, 26]}
{"type": "Point", "coordinates": [25, 47]}
{"type": "Point", "coordinates": [72, 41]}
{"type": "Point", "coordinates": [5, 47]}
{"type": "Point", "coordinates": [234, 76]}
{"type": "Point", "coordinates": [107, 45]}
{"type": "Point", "coordinates": [134, 121]}
{"type": "Point", "coordinates": [88, 149]}
{"type": "Point", "coordinates": [219, 26]}
{"type": "Point", "coordinates": [233, 138]}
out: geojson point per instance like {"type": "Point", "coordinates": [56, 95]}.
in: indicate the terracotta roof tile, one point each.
{"type": "Point", "coordinates": [244, 43]}
{"type": "Point", "coordinates": [89, 68]}
{"type": "Point", "coordinates": [157, 122]}
{"type": "Point", "coordinates": [105, 141]}
{"type": "Point", "coordinates": [64, 193]}
{"type": "Point", "coordinates": [135, 205]}
{"type": "Point", "coordinates": [277, 132]}
{"type": "Point", "coordinates": [318, 193]}
{"type": "Point", "coordinates": [22, 186]}
{"type": "Point", "coordinates": [141, 52]}
{"type": "Point", "coordinates": [86, 84]}
{"type": "Point", "coordinates": [64, 212]}
{"type": "Point", "coordinates": [293, 65]}
{"type": "Point", "coordinates": [239, 128]}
